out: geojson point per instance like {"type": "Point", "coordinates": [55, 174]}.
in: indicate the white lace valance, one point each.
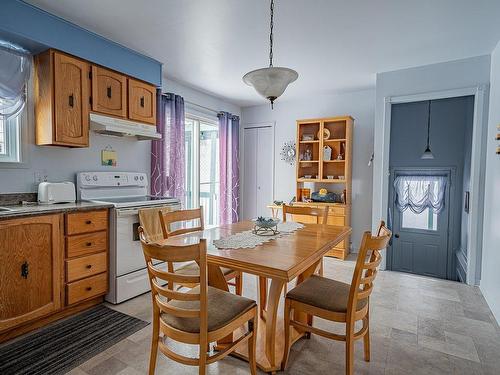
{"type": "Point", "coordinates": [419, 193]}
{"type": "Point", "coordinates": [248, 239]}
{"type": "Point", "coordinates": [15, 63]}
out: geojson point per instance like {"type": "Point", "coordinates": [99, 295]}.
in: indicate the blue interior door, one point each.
{"type": "Point", "coordinates": [420, 241]}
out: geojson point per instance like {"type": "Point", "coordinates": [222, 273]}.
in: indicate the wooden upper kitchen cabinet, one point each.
{"type": "Point", "coordinates": [61, 100]}
{"type": "Point", "coordinates": [109, 92]}
{"type": "Point", "coordinates": [30, 269]}
{"type": "Point", "coordinates": [141, 101]}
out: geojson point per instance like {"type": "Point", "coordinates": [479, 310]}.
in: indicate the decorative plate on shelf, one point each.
{"type": "Point", "coordinates": [288, 152]}
{"type": "Point", "coordinates": [326, 134]}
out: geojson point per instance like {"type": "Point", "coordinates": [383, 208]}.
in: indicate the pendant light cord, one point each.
{"type": "Point", "coordinates": [428, 124]}
{"type": "Point", "coordinates": [271, 25]}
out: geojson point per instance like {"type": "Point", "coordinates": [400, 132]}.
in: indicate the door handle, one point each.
{"type": "Point", "coordinates": [24, 270]}
{"type": "Point", "coordinates": [396, 235]}
{"type": "Point", "coordinates": [142, 101]}
{"type": "Point", "coordinates": [108, 92]}
{"type": "Point", "coordinates": [71, 100]}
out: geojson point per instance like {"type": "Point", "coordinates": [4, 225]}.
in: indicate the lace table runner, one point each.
{"type": "Point", "coordinates": [248, 239]}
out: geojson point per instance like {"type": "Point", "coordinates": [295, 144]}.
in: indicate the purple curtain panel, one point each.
{"type": "Point", "coordinates": [167, 153]}
{"type": "Point", "coordinates": [229, 167]}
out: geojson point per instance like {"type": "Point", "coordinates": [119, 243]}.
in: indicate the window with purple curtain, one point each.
{"type": "Point", "coordinates": [167, 153]}
{"type": "Point", "coordinates": [229, 167]}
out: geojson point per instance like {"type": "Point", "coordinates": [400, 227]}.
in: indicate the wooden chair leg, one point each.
{"type": "Point", "coordinates": [202, 360]}
{"type": "Point", "coordinates": [349, 350]}
{"type": "Point", "coordinates": [309, 323]}
{"type": "Point", "coordinates": [286, 351]}
{"type": "Point", "coordinates": [366, 338]}
{"type": "Point", "coordinates": [239, 283]}
{"type": "Point", "coordinates": [252, 345]}
{"type": "Point", "coordinates": [154, 341]}
{"type": "Point", "coordinates": [262, 295]}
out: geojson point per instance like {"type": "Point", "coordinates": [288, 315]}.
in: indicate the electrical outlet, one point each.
{"type": "Point", "coordinates": [41, 176]}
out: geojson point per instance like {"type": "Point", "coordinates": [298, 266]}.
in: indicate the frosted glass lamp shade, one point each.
{"type": "Point", "coordinates": [270, 82]}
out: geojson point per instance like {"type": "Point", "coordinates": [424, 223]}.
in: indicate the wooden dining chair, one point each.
{"type": "Point", "coordinates": [339, 302]}
{"type": "Point", "coordinates": [199, 316]}
{"type": "Point", "coordinates": [319, 215]}
{"type": "Point", "coordinates": [181, 219]}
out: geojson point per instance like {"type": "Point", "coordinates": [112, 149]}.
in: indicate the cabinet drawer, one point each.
{"type": "Point", "coordinates": [90, 265]}
{"type": "Point", "coordinates": [337, 211]}
{"type": "Point", "coordinates": [336, 220]}
{"type": "Point", "coordinates": [84, 244]}
{"type": "Point", "coordinates": [86, 288]}
{"type": "Point", "coordinates": [84, 222]}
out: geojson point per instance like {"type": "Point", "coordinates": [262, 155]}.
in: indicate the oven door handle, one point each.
{"type": "Point", "coordinates": [124, 212]}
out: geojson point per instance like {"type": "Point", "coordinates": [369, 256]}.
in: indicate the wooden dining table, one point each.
{"type": "Point", "coordinates": [294, 255]}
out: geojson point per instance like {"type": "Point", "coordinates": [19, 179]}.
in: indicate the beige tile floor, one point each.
{"type": "Point", "coordinates": [419, 325]}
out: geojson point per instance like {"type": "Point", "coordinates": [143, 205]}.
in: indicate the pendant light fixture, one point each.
{"type": "Point", "coordinates": [427, 153]}
{"type": "Point", "coordinates": [270, 82]}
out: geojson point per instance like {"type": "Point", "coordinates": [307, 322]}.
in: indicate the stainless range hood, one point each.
{"type": "Point", "coordinates": [122, 128]}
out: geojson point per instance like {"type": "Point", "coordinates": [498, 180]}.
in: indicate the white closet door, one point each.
{"type": "Point", "coordinates": [265, 163]}
{"type": "Point", "coordinates": [249, 196]}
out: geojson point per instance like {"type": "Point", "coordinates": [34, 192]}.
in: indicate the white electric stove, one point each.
{"type": "Point", "coordinates": [128, 192]}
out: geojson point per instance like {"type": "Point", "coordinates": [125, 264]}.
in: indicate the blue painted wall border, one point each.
{"type": "Point", "coordinates": [37, 30]}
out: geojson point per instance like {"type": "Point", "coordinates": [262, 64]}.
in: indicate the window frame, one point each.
{"type": "Point", "coordinates": [197, 119]}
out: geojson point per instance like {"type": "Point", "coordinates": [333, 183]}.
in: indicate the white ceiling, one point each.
{"type": "Point", "coordinates": [335, 45]}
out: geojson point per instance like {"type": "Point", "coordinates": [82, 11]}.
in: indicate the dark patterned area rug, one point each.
{"type": "Point", "coordinates": [62, 346]}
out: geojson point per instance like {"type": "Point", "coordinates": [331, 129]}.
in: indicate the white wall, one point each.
{"type": "Point", "coordinates": [360, 105]}
{"type": "Point", "coordinates": [490, 276]}
{"type": "Point", "coordinates": [200, 98]}
{"type": "Point", "coordinates": [450, 75]}
{"type": "Point", "coordinates": [61, 164]}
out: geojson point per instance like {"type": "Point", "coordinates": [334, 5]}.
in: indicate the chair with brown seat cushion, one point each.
{"type": "Point", "coordinates": [182, 219]}
{"type": "Point", "coordinates": [199, 316]}
{"type": "Point", "coordinates": [337, 301]}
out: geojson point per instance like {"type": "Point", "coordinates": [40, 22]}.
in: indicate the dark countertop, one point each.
{"type": "Point", "coordinates": [41, 209]}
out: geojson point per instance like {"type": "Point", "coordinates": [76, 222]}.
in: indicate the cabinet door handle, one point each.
{"type": "Point", "coordinates": [108, 92]}
{"type": "Point", "coordinates": [71, 101]}
{"type": "Point", "coordinates": [24, 270]}
{"type": "Point", "coordinates": [88, 244]}
{"type": "Point", "coordinates": [88, 222]}
{"type": "Point", "coordinates": [142, 101]}
{"type": "Point", "coordinates": [88, 289]}
{"type": "Point", "coordinates": [89, 266]}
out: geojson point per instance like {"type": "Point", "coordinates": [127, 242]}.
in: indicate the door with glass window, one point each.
{"type": "Point", "coordinates": [420, 224]}
{"type": "Point", "coordinates": [202, 167]}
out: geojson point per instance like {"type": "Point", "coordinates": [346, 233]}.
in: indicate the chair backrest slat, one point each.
{"type": "Point", "coordinates": [162, 296]}
{"type": "Point", "coordinates": [171, 294]}
{"type": "Point", "coordinates": [365, 272]}
{"type": "Point", "coordinates": [181, 217]}
{"type": "Point", "coordinates": [166, 307]}
{"type": "Point", "coordinates": [320, 213]}
{"type": "Point", "coordinates": [172, 276]}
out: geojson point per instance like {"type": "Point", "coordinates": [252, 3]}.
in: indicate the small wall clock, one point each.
{"type": "Point", "coordinates": [288, 152]}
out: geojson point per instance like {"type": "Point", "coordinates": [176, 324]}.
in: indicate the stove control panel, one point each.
{"type": "Point", "coordinates": [111, 179]}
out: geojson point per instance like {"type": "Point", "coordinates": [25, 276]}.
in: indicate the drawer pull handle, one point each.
{"type": "Point", "coordinates": [24, 270]}
{"type": "Point", "coordinates": [89, 266]}
{"type": "Point", "coordinates": [88, 222]}
{"type": "Point", "coordinates": [88, 289]}
{"type": "Point", "coordinates": [88, 244]}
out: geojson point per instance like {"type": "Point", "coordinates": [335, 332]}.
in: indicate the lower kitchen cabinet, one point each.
{"type": "Point", "coordinates": [30, 273]}
{"type": "Point", "coordinates": [51, 267]}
